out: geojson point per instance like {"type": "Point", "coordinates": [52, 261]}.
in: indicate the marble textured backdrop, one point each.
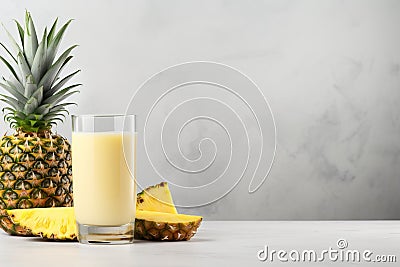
{"type": "Point", "coordinates": [330, 69]}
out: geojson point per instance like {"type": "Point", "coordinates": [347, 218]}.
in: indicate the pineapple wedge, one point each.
{"type": "Point", "coordinates": [51, 223]}
{"type": "Point", "coordinates": [156, 198]}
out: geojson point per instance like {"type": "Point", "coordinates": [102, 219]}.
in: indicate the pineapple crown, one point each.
{"type": "Point", "coordinates": [36, 90]}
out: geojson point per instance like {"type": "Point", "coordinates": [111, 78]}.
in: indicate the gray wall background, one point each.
{"type": "Point", "coordinates": [330, 70]}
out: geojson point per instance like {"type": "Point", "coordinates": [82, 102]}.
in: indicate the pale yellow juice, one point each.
{"type": "Point", "coordinates": [104, 184]}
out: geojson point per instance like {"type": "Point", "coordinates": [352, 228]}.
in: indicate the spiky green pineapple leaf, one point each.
{"type": "Point", "coordinates": [59, 110]}
{"type": "Point", "coordinates": [20, 114]}
{"type": "Point", "coordinates": [13, 92]}
{"type": "Point", "coordinates": [38, 64]}
{"type": "Point", "coordinates": [12, 102]}
{"type": "Point", "coordinates": [32, 122]}
{"type": "Point", "coordinates": [16, 83]}
{"type": "Point", "coordinates": [54, 43]}
{"type": "Point", "coordinates": [36, 117]}
{"type": "Point", "coordinates": [37, 123]}
{"type": "Point", "coordinates": [14, 73]}
{"type": "Point", "coordinates": [21, 32]}
{"type": "Point", "coordinates": [9, 103]}
{"type": "Point", "coordinates": [43, 109]}
{"type": "Point", "coordinates": [52, 31]}
{"type": "Point", "coordinates": [9, 109]}
{"type": "Point", "coordinates": [52, 122]}
{"type": "Point", "coordinates": [60, 96]}
{"type": "Point", "coordinates": [7, 117]}
{"type": "Point", "coordinates": [36, 89]}
{"type": "Point", "coordinates": [38, 95]}
{"type": "Point", "coordinates": [8, 112]}
{"type": "Point", "coordinates": [15, 86]}
{"type": "Point", "coordinates": [8, 51]}
{"type": "Point", "coordinates": [53, 116]}
{"type": "Point", "coordinates": [65, 97]}
{"type": "Point", "coordinates": [30, 87]}
{"type": "Point", "coordinates": [62, 68]}
{"type": "Point", "coordinates": [26, 125]}
{"type": "Point", "coordinates": [23, 67]}
{"type": "Point", "coordinates": [60, 84]}
{"type": "Point", "coordinates": [12, 114]}
{"type": "Point", "coordinates": [49, 78]}
{"type": "Point", "coordinates": [31, 105]}
{"type": "Point", "coordinates": [30, 39]}
{"type": "Point", "coordinates": [66, 89]}
{"type": "Point", "coordinates": [14, 44]}
{"type": "Point", "coordinates": [63, 105]}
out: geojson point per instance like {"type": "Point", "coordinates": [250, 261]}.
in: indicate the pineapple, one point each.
{"type": "Point", "coordinates": [152, 224]}
{"type": "Point", "coordinates": [158, 219]}
{"type": "Point", "coordinates": [35, 164]}
{"type": "Point", "coordinates": [156, 198]}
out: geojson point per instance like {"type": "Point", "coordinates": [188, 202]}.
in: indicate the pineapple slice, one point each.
{"type": "Point", "coordinates": [50, 223]}
{"type": "Point", "coordinates": [59, 224]}
{"type": "Point", "coordinates": [156, 198]}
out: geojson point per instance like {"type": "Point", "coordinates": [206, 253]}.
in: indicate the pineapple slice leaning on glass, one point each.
{"type": "Point", "coordinates": [35, 163]}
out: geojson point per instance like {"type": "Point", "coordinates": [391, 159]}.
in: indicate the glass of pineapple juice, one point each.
{"type": "Point", "coordinates": [103, 169]}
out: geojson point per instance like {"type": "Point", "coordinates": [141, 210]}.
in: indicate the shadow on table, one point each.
{"type": "Point", "coordinates": [40, 240]}
{"type": "Point", "coordinates": [194, 240]}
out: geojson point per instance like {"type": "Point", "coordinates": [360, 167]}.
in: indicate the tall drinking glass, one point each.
{"type": "Point", "coordinates": [103, 168]}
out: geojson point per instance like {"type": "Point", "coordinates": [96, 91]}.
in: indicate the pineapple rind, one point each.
{"type": "Point", "coordinates": [159, 226]}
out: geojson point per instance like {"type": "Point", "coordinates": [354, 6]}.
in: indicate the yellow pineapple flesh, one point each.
{"type": "Point", "coordinates": [156, 198]}
{"type": "Point", "coordinates": [49, 223]}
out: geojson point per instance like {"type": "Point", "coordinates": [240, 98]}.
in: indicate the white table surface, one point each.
{"type": "Point", "coordinates": [217, 243]}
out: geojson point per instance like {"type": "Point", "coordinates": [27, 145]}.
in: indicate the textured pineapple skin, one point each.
{"type": "Point", "coordinates": [35, 172]}
{"type": "Point", "coordinates": [163, 231]}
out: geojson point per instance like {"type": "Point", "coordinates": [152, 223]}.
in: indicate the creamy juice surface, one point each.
{"type": "Point", "coordinates": [104, 187]}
